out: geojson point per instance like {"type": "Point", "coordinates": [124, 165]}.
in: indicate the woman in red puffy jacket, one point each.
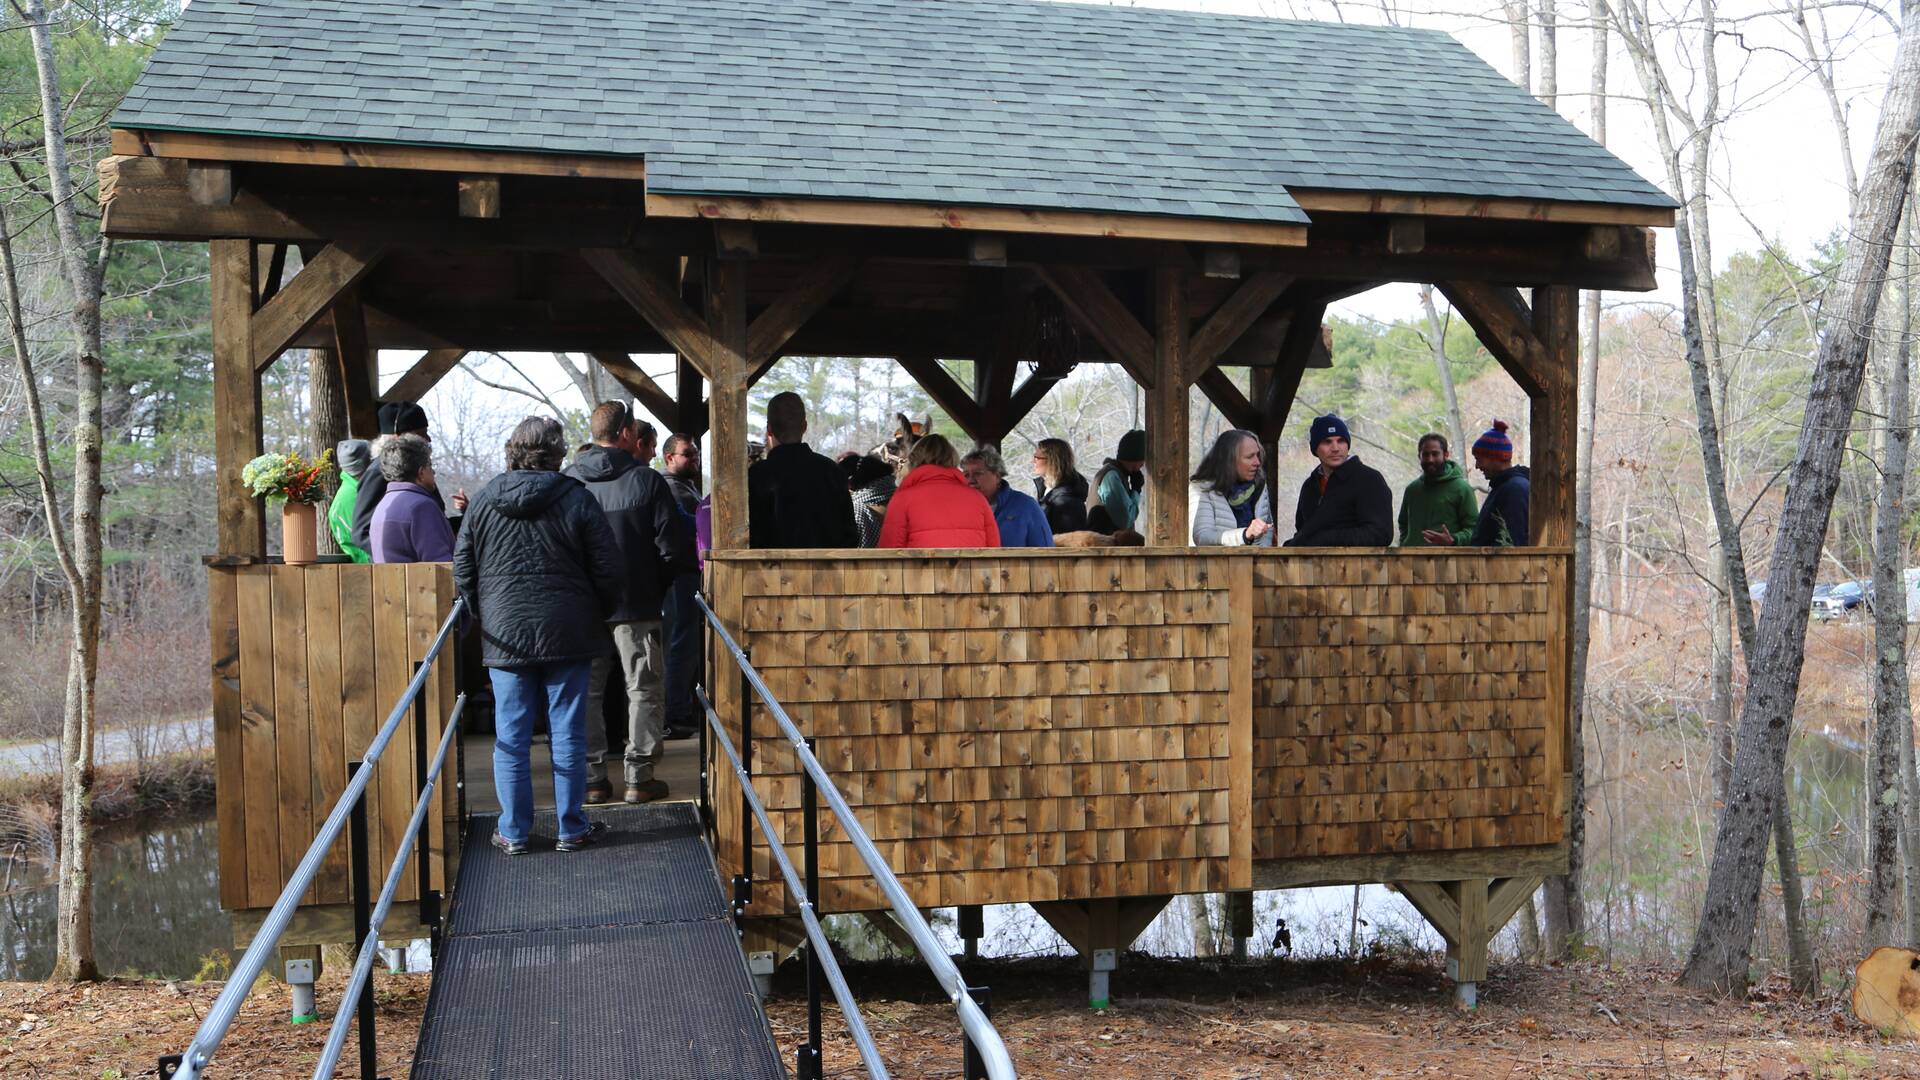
{"type": "Point", "coordinates": [935, 507]}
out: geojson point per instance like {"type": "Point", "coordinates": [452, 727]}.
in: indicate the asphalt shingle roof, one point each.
{"type": "Point", "coordinates": [970, 102]}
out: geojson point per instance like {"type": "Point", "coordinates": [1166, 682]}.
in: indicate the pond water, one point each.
{"type": "Point", "coordinates": [156, 907]}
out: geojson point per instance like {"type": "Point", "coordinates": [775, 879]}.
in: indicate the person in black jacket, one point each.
{"type": "Point", "coordinates": [1059, 487]}
{"type": "Point", "coordinates": [396, 418]}
{"type": "Point", "coordinates": [536, 562]}
{"type": "Point", "coordinates": [1343, 502]}
{"type": "Point", "coordinates": [680, 619]}
{"type": "Point", "coordinates": [795, 497]}
{"type": "Point", "coordinates": [656, 542]}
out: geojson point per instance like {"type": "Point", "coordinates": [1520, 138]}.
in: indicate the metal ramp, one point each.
{"type": "Point", "coordinates": [619, 960]}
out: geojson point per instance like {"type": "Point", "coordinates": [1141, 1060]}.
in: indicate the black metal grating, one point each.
{"type": "Point", "coordinates": [652, 866]}
{"type": "Point", "coordinates": [651, 1001]}
{"type": "Point", "coordinates": [614, 961]}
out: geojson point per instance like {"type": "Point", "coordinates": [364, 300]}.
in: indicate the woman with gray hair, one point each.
{"type": "Point", "coordinates": [536, 562]}
{"type": "Point", "coordinates": [408, 526]}
{"type": "Point", "coordinates": [1021, 521]}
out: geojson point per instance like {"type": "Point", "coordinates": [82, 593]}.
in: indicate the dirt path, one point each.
{"type": "Point", "coordinates": [1380, 1017]}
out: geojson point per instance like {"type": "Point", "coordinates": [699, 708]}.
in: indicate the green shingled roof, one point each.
{"type": "Point", "coordinates": [1009, 103]}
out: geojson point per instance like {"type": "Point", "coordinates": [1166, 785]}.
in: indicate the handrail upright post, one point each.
{"type": "Point", "coordinates": [362, 922]}
{"type": "Point", "coordinates": [423, 844]}
{"type": "Point", "coordinates": [743, 881]}
{"type": "Point", "coordinates": [809, 1065]}
{"type": "Point", "coordinates": [973, 1066]}
{"type": "Point", "coordinates": [706, 807]}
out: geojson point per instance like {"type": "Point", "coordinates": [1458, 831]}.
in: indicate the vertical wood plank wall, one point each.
{"type": "Point", "coordinates": [1041, 725]}
{"type": "Point", "coordinates": [1408, 703]}
{"type": "Point", "coordinates": [307, 662]}
{"type": "Point", "coordinates": [1009, 727]}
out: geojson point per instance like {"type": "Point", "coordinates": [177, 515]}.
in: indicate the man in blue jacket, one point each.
{"type": "Point", "coordinates": [1503, 517]}
{"type": "Point", "coordinates": [1022, 523]}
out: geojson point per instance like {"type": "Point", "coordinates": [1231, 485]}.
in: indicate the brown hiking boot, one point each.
{"type": "Point", "coordinates": [647, 791]}
{"type": "Point", "coordinates": [601, 792]}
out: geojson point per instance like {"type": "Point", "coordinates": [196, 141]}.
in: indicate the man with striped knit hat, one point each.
{"type": "Point", "coordinates": [1503, 517]}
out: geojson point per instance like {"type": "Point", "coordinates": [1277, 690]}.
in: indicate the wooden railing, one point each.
{"type": "Point", "coordinates": [306, 662]}
{"type": "Point", "coordinates": [1031, 725]}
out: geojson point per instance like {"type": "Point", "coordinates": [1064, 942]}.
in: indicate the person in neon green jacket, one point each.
{"type": "Point", "coordinates": [1439, 500]}
{"type": "Point", "coordinates": [355, 457]}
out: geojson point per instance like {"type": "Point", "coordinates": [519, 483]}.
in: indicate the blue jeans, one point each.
{"type": "Point", "coordinates": [686, 637]}
{"type": "Point", "coordinates": [520, 696]}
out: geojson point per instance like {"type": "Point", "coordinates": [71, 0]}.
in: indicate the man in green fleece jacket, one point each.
{"type": "Point", "coordinates": [1440, 501]}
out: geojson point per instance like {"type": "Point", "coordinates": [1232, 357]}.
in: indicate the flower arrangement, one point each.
{"type": "Point", "coordinates": [287, 476]}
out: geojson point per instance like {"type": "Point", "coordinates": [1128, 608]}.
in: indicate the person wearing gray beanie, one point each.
{"type": "Point", "coordinates": [355, 457]}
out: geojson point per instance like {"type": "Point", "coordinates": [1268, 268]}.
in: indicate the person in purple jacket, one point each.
{"type": "Point", "coordinates": [408, 525]}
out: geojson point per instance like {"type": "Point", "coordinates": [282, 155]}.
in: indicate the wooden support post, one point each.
{"type": "Point", "coordinates": [1468, 913]}
{"type": "Point", "coordinates": [236, 397]}
{"type": "Point", "coordinates": [1100, 930]}
{"type": "Point", "coordinates": [728, 368]}
{"type": "Point", "coordinates": [1166, 414]}
{"type": "Point", "coordinates": [691, 418]}
{"type": "Point", "coordinates": [359, 366]}
{"type": "Point", "coordinates": [1555, 416]}
{"type": "Point", "coordinates": [1240, 921]}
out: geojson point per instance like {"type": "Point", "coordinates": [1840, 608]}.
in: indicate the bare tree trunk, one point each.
{"type": "Point", "coordinates": [1199, 925]}
{"type": "Point", "coordinates": [326, 426]}
{"type": "Point", "coordinates": [1437, 342]}
{"type": "Point", "coordinates": [1890, 689]}
{"type": "Point", "coordinates": [1910, 789]}
{"type": "Point", "coordinates": [1529, 920]}
{"type": "Point", "coordinates": [1720, 685]}
{"type": "Point", "coordinates": [1723, 942]}
{"type": "Point", "coordinates": [1517, 16]}
{"type": "Point", "coordinates": [73, 944]}
{"type": "Point", "coordinates": [1549, 54]}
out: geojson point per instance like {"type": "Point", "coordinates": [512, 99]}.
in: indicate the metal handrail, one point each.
{"type": "Point", "coordinates": [370, 946]}
{"type": "Point", "coordinates": [213, 1029]}
{"type": "Point", "coordinates": [816, 934]}
{"type": "Point", "coordinates": [981, 1035]}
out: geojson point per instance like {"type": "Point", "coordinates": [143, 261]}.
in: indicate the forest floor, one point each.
{"type": "Point", "coordinates": [1386, 1016]}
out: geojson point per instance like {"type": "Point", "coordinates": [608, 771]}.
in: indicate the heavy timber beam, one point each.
{"type": "Point", "coordinates": [947, 394]}
{"type": "Point", "coordinates": [660, 305]}
{"type": "Point", "coordinates": [424, 373]}
{"type": "Point", "coordinates": [651, 395]}
{"type": "Point", "coordinates": [775, 325]}
{"type": "Point", "coordinates": [149, 198]}
{"type": "Point", "coordinates": [1504, 324]}
{"type": "Point", "coordinates": [301, 302]}
{"type": "Point", "coordinates": [1224, 327]}
{"type": "Point", "coordinates": [236, 397]}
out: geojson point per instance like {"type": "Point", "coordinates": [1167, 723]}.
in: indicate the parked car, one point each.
{"type": "Point", "coordinates": [1843, 598]}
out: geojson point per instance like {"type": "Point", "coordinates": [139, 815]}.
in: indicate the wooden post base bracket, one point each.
{"type": "Point", "coordinates": [1100, 930]}
{"type": "Point", "coordinates": [1467, 914]}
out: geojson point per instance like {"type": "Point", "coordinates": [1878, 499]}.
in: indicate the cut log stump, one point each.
{"type": "Point", "coordinates": [1886, 991]}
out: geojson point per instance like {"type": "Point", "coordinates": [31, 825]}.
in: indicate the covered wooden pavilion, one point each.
{"type": "Point", "coordinates": [1025, 185]}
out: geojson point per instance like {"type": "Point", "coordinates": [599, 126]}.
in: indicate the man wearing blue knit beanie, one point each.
{"type": "Point", "coordinates": [1344, 502]}
{"type": "Point", "coordinates": [1503, 517]}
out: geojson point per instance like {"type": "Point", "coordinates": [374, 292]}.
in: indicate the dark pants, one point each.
{"type": "Point", "coordinates": [686, 640]}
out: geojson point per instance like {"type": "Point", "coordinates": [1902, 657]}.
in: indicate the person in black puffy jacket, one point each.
{"type": "Point", "coordinates": [1344, 502]}
{"type": "Point", "coordinates": [537, 563]}
{"type": "Point", "coordinates": [1059, 487]}
{"type": "Point", "coordinates": [656, 541]}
